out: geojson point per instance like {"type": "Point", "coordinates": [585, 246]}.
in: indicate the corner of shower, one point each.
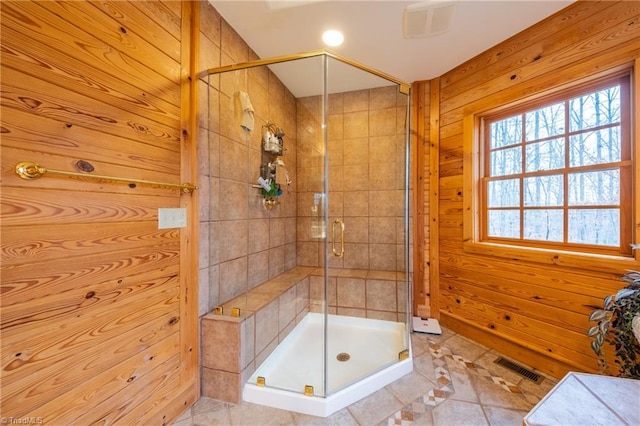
{"type": "Point", "coordinates": [334, 326]}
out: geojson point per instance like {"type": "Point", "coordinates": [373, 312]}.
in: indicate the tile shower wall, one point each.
{"type": "Point", "coordinates": [360, 293]}
{"type": "Point", "coordinates": [241, 243]}
{"type": "Point", "coordinates": [366, 140]}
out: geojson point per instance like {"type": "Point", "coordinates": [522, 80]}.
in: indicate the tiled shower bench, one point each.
{"type": "Point", "coordinates": [234, 346]}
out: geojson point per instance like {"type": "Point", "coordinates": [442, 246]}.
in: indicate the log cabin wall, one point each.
{"type": "Point", "coordinates": [535, 312]}
{"type": "Point", "coordinates": [420, 203]}
{"type": "Point", "coordinates": [99, 305]}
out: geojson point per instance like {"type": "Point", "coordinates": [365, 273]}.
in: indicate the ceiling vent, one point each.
{"type": "Point", "coordinates": [427, 19]}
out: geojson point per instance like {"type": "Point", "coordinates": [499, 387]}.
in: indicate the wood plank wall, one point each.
{"type": "Point", "coordinates": [536, 313]}
{"type": "Point", "coordinates": [420, 209]}
{"type": "Point", "coordinates": [99, 306]}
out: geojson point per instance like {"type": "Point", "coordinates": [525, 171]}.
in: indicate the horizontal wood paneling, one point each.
{"type": "Point", "coordinates": [24, 92]}
{"type": "Point", "coordinates": [124, 96]}
{"type": "Point", "coordinates": [555, 294]}
{"type": "Point", "coordinates": [108, 382]}
{"type": "Point", "coordinates": [95, 303]}
{"type": "Point", "coordinates": [50, 138]}
{"type": "Point", "coordinates": [66, 241]}
{"type": "Point", "coordinates": [25, 207]}
{"type": "Point", "coordinates": [166, 14]}
{"type": "Point", "coordinates": [117, 54]}
{"type": "Point", "coordinates": [41, 369]}
{"type": "Point", "coordinates": [556, 33]}
{"type": "Point", "coordinates": [135, 21]}
{"type": "Point", "coordinates": [520, 328]}
{"type": "Point", "coordinates": [507, 302]}
{"type": "Point", "coordinates": [22, 283]}
{"type": "Point", "coordinates": [134, 401]}
{"type": "Point", "coordinates": [19, 318]}
{"type": "Point", "coordinates": [503, 343]}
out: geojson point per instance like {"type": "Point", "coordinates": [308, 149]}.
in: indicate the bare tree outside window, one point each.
{"type": "Point", "coordinates": [554, 172]}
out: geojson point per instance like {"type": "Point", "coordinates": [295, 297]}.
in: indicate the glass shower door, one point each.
{"type": "Point", "coordinates": [345, 152]}
{"type": "Point", "coordinates": [365, 260]}
{"type": "Point", "coordinates": [312, 215]}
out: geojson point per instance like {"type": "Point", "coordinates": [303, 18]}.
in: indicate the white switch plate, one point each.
{"type": "Point", "coordinates": [172, 218]}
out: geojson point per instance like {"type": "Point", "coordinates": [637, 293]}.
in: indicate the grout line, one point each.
{"type": "Point", "coordinates": [588, 389]}
{"type": "Point", "coordinates": [441, 356]}
{"type": "Point", "coordinates": [441, 387]}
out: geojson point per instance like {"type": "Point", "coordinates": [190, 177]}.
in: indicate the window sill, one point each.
{"type": "Point", "coordinates": [586, 261]}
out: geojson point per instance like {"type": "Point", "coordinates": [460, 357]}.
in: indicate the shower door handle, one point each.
{"type": "Point", "coordinates": [336, 252]}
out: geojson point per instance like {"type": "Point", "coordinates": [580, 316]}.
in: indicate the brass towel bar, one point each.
{"type": "Point", "coordinates": [31, 170]}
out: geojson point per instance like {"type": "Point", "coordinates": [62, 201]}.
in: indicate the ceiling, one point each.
{"type": "Point", "coordinates": [374, 36]}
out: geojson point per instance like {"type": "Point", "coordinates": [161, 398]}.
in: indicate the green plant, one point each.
{"type": "Point", "coordinates": [274, 190]}
{"type": "Point", "coordinates": [615, 325]}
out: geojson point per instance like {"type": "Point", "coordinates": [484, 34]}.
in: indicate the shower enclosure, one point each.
{"type": "Point", "coordinates": [326, 142]}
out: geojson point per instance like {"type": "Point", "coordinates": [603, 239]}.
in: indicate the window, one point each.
{"type": "Point", "coordinates": [558, 173]}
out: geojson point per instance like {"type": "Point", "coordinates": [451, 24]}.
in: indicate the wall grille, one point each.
{"type": "Point", "coordinates": [516, 368]}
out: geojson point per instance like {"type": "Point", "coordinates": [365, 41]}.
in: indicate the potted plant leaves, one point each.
{"type": "Point", "coordinates": [618, 324]}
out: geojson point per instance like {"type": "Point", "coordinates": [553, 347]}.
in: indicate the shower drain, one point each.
{"type": "Point", "coordinates": [343, 356]}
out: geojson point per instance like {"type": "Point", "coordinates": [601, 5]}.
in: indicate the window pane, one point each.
{"type": "Point", "coordinates": [601, 146]}
{"type": "Point", "coordinates": [548, 155]}
{"type": "Point", "coordinates": [559, 172]}
{"type": "Point", "coordinates": [506, 161]}
{"type": "Point", "coordinates": [594, 188]}
{"type": "Point", "coordinates": [504, 193]}
{"type": "Point", "coordinates": [545, 122]}
{"type": "Point", "coordinates": [504, 223]}
{"type": "Point", "coordinates": [543, 225]}
{"type": "Point", "coordinates": [543, 191]}
{"type": "Point", "coordinates": [506, 132]}
{"type": "Point", "coordinates": [595, 109]}
{"type": "Point", "coordinates": [594, 226]}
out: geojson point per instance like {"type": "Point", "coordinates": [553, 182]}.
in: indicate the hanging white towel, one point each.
{"type": "Point", "coordinates": [244, 110]}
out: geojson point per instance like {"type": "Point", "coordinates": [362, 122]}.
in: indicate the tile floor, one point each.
{"type": "Point", "coordinates": [454, 382]}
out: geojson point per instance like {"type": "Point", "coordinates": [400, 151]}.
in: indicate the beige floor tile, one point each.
{"type": "Point", "coordinates": [435, 338]}
{"type": "Point", "coordinates": [208, 404]}
{"type": "Point", "coordinates": [375, 407]}
{"type": "Point", "coordinates": [464, 390]}
{"type": "Point", "coordinates": [425, 419]}
{"type": "Point", "coordinates": [423, 364]}
{"type": "Point", "coordinates": [537, 390]}
{"type": "Point", "coordinates": [213, 417]}
{"type": "Point", "coordinates": [419, 345]}
{"type": "Point", "coordinates": [490, 393]}
{"type": "Point", "coordinates": [253, 414]}
{"type": "Point", "coordinates": [458, 413]}
{"type": "Point", "coordinates": [504, 417]}
{"type": "Point", "coordinates": [410, 387]}
{"type": "Point", "coordinates": [464, 347]}
{"type": "Point", "coordinates": [341, 417]}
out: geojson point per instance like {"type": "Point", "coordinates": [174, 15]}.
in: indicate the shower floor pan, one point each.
{"type": "Point", "coordinates": [370, 347]}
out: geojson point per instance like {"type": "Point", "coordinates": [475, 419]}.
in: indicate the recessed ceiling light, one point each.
{"type": "Point", "coordinates": [332, 38]}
